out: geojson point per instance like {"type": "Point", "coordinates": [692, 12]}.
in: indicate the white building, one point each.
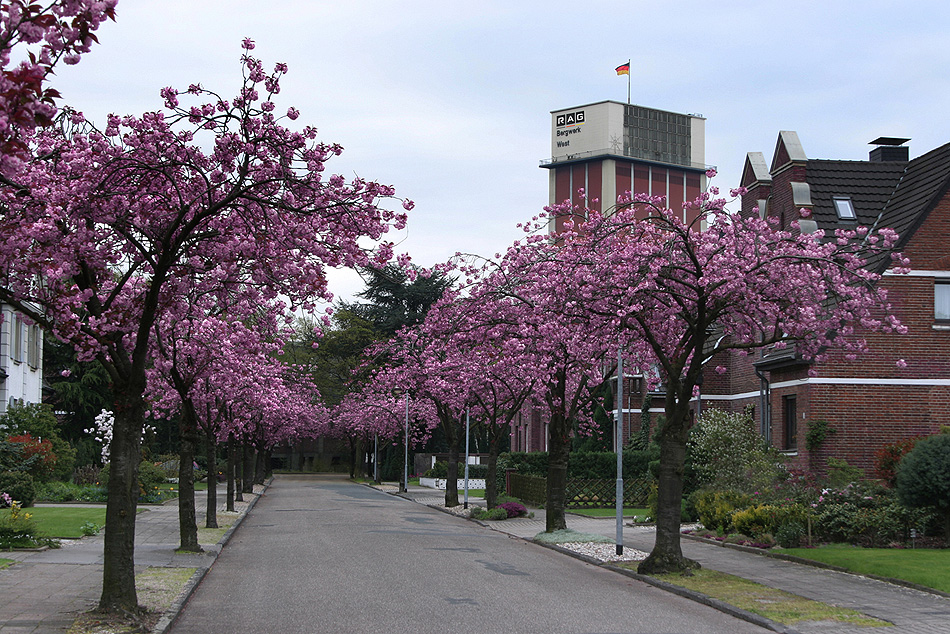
{"type": "Point", "coordinates": [21, 360]}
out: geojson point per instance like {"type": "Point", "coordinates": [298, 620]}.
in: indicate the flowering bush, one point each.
{"type": "Point", "coordinates": [17, 529]}
{"type": "Point", "coordinates": [728, 453]}
{"type": "Point", "coordinates": [5, 500]}
{"type": "Point", "coordinates": [864, 514]}
{"type": "Point", "coordinates": [514, 509]}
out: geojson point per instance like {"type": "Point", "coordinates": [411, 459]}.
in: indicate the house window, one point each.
{"type": "Point", "coordinates": [845, 208]}
{"type": "Point", "coordinates": [942, 301]}
{"type": "Point", "coordinates": [18, 339]}
{"type": "Point", "coordinates": [790, 417]}
{"type": "Point", "coordinates": [33, 346]}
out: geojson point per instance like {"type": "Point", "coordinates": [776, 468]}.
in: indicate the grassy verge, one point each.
{"type": "Point", "coordinates": [209, 536]}
{"type": "Point", "coordinates": [627, 512]}
{"type": "Point", "coordinates": [777, 605]}
{"type": "Point", "coordinates": [156, 588]}
{"type": "Point", "coordinates": [927, 567]}
{"type": "Point", "coordinates": [5, 562]}
{"type": "Point", "coordinates": [65, 522]}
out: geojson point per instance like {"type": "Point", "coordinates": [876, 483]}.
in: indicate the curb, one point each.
{"type": "Point", "coordinates": [818, 564]}
{"type": "Point", "coordinates": [171, 614]}
{"type": "Point", "coordinates": [698, 597]}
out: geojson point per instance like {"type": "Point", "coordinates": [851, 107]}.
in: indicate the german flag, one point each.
{"type": "Point", "coordinates": [624, 69]}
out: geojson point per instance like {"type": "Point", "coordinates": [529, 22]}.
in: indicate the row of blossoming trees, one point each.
{"type": "Point", "coordinates": [541, 324]}
{"type": "Point", "coordinates": [170, 247]}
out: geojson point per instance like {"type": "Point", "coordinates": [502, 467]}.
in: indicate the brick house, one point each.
{"type": "Point", "coordinates": [869, 402]}
{"type": "Point", "coordinates": [865, 403]}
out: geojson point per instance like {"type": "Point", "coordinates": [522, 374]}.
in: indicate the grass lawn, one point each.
{"type": "Point", "coordinates": [5, 562]}
{"type": "Point", "coordinates": [777, 605]}
{"type": "Point", "coordinates": [627, 512]}
{"type": "Point", "coordinates": [926, 567]}
{"type": "Point", "coordinates": [63, 521]}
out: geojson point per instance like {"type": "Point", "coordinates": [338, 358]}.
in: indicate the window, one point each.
{"type": "Point", "coordinates": [33, 346]}
{"type": "Point", "coordinates": [18, 339]}
{"type": "Point", "coordinates": [942, 300]}
{"type": "Point", "coordinates": [845, 208]}
{"type": "Point", "coordinates": [790, 409]}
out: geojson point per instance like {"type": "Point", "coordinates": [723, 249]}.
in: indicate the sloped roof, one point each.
{"type": "Point", "coordinates": [925, 181]}
{"type": "Point", "coordinates": [869, 185]}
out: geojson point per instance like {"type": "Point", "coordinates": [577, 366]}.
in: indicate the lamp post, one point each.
{"type": "Point", "coordinates": [619, 451]}
{"type": "Point", "coordinates": [467, 436]}
{"type": "Point", "coordinates": [405, 458]}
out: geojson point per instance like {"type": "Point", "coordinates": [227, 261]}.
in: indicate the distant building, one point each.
{"type": "Point", "coordinates": [608, 149]}
{"type": "Point", "coordinates": [605, 150]}
{"type": "Point", "coordinates": [21, 360]}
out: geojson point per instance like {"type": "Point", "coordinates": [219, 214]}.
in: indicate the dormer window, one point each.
{"type": "Point", "coordinates": [845, 208]}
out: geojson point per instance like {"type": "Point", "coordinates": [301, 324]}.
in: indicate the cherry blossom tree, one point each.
{"type": "Point", "coordinates": [218, 191]}
{"type": "Point", "coordinates": [489, 364]}
{"type": "Point", "coordinates": [61, 31]}
{"type": "Point", "coordinates": [678, 296]}
{"type": "Point", "coordinates": [529, 304]}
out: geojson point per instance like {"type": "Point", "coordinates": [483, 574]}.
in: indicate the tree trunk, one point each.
{"type": "Point", "coordinates": [231, 467]}
{"type": "Point", "coordinates": [187, 516]}
{"type": "Point", "coordinates": [239, 474]}
{"type": "Point", "coordinates": [453, 438]}
{"type": "Point", "coordinates": [211, 455]}
{"type": "Point", "coordinates": [268, 465]}
{"type": "Point", "coordinates": [559, 451]}
{"type": "Point", "coordinates": [259, 468]}
{"type": "Point", "coordinates": [247, 469]}
{"type": "Point", "coordinates": [491, 478]}
{"type": "Point", "coordinates": [667, 555]}
{"type": "Point", "coordinates": [352, 442]}
{"type": "Point", "coordinates": [125, 454]}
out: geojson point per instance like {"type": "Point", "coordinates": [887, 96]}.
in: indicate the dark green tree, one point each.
{"type": "Point", "coordinates": [391, 300]}
{"type": "Point", "coordinates": [923, 477]}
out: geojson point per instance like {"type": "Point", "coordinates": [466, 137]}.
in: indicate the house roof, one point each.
{"type": "Point", "coordinates": [925, 181]}
{"type": "Point", "coordinates": [869, 185]}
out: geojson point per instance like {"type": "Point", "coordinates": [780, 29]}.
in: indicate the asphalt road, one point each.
{"type": "Point", "coordinates": [321, 554]}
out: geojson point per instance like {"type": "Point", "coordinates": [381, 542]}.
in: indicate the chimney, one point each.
{"type": "Point", "coordinates": [889, 149]}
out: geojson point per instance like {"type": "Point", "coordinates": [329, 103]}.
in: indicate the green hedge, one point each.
{"type": "Point", "coordinates": [585, 465]}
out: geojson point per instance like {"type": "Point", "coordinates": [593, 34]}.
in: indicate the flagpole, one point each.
{"type": "Point", "coordinates": [628, 81]}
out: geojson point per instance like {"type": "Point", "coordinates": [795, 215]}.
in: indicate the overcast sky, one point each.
{"type": "Point", "coordinates": [449, 102]}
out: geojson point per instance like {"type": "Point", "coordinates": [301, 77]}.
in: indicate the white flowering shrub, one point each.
{"type": "Point", "coordinates": [103, 432]}
{"type": "Point", "coordinates": [728, 453]}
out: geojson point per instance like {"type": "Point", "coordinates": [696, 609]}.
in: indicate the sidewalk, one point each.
{"type": "Point", "coordinates": [911, 611]}
{"type": "Point", "coordinates": [45, 591]}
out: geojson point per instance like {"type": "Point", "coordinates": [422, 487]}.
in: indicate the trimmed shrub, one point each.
{"type": "Point", "coordinates": [494, 514]}
{"type": "Point", "coordinates": [18, 485]}
{"type": "Point", "coordinates": [715, 508]}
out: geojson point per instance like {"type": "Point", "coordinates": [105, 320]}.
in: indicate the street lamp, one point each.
{"type": "Point", "coordinates": [619, 451]}
{"type": "Point", "coordinates": [467, 437]}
